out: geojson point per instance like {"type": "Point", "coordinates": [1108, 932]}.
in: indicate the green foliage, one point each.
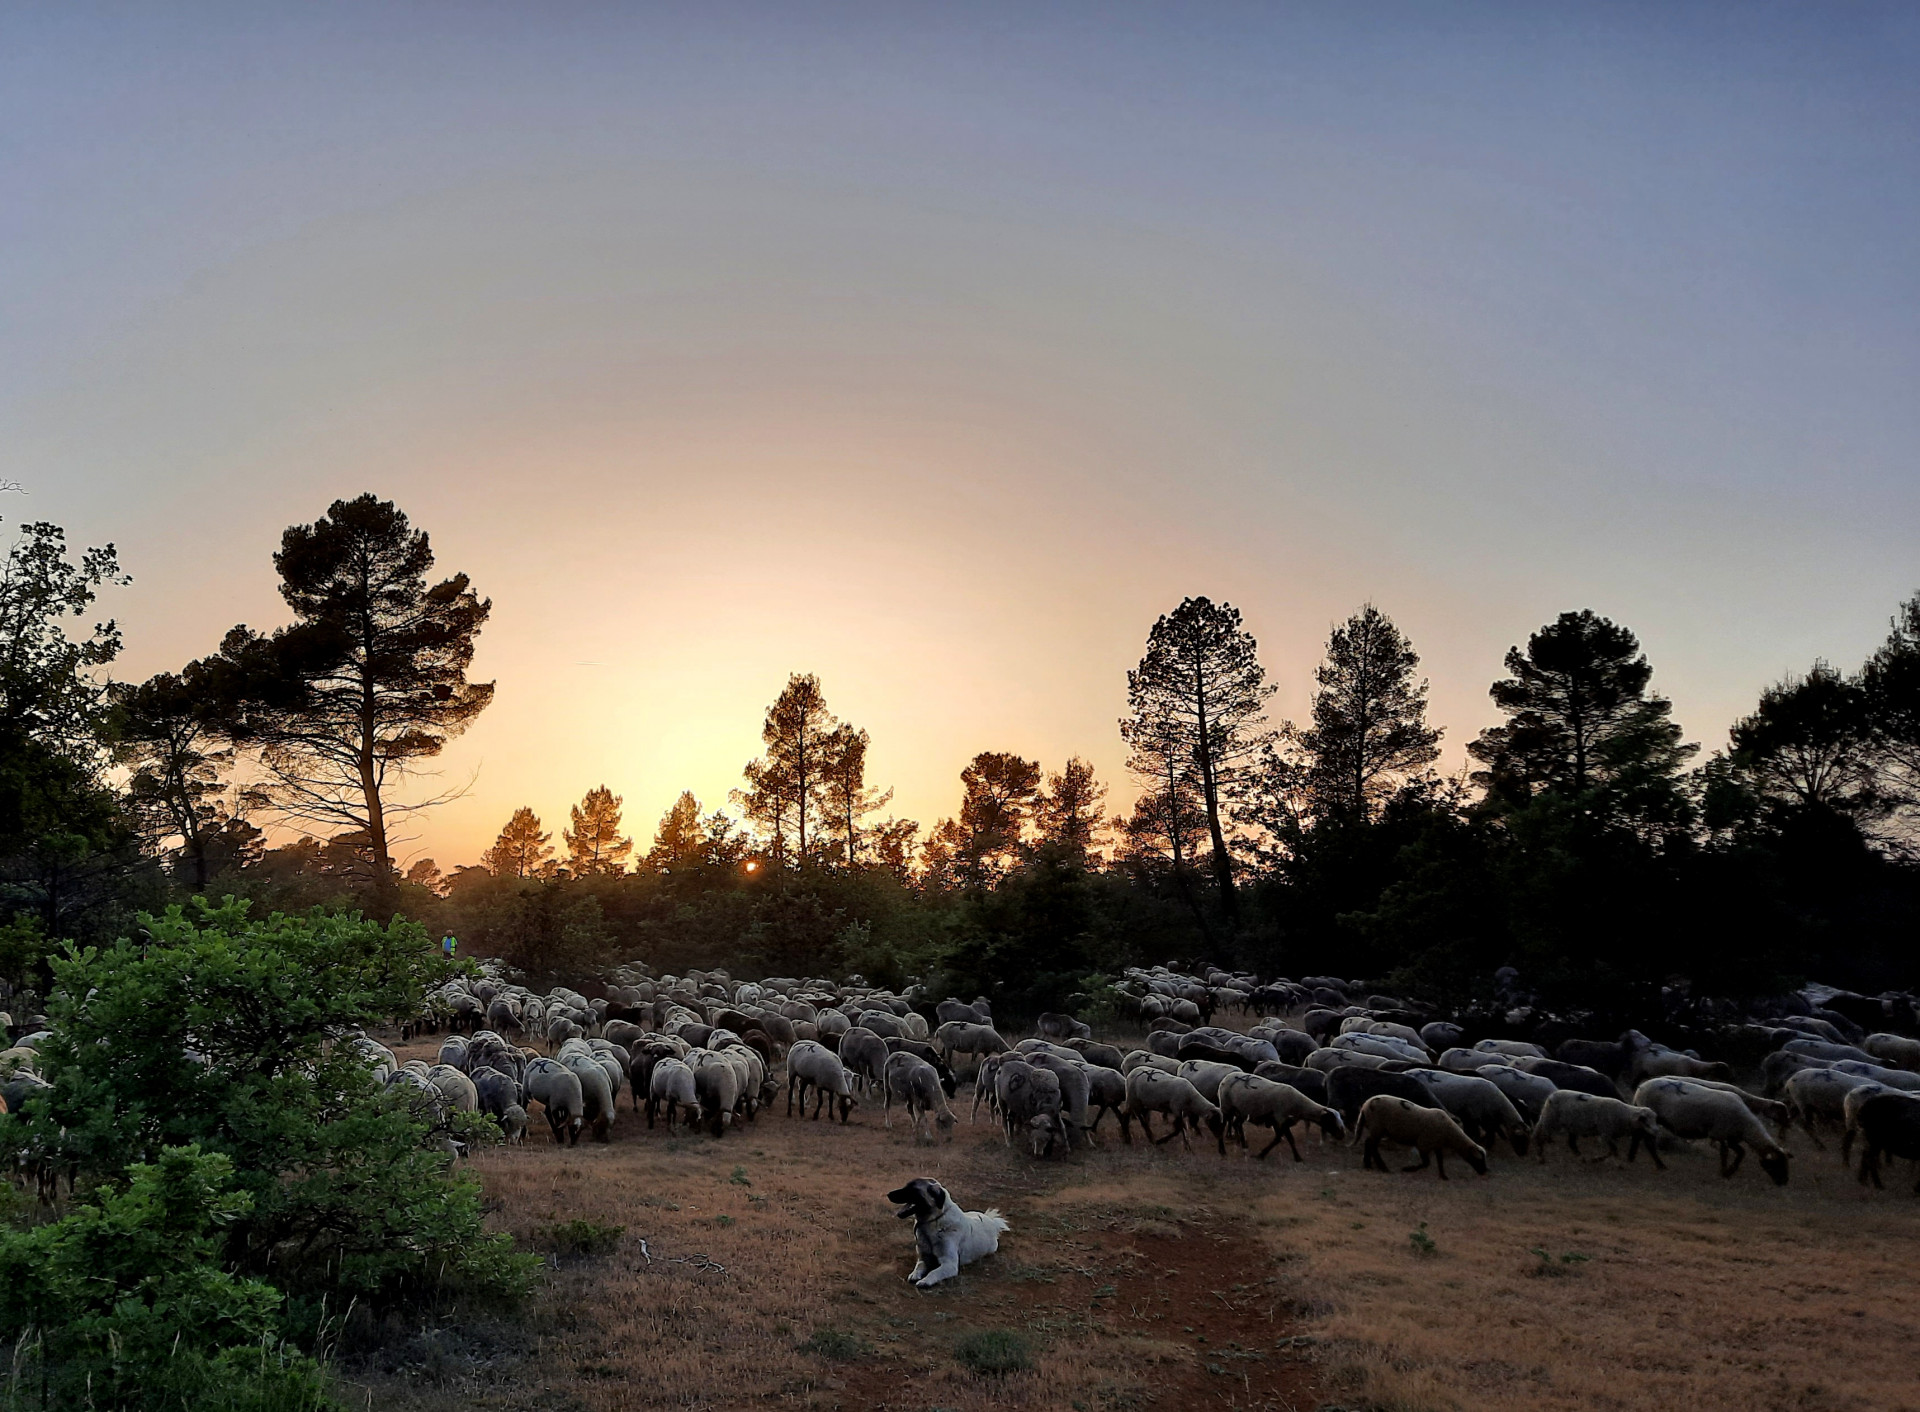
{"type": "Point", "coordinates": [125, 1303]}
{"type": "Point", "coordinates": [1423, 1244]}
{"type": "Point", "coordinates": [226, 1031]}
{"type": "Point", "coordinates": [993, 1351]}
{"type": "Point", "coordinates": [580, 1237]}
{"type": "Point", "coordinates": [1568, 1263]}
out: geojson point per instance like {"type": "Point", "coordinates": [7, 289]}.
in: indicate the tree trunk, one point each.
{"type": "Point", "coordinates": [1222, 862]}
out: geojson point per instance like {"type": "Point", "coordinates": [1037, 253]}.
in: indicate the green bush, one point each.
{"type": "Point", "coordinates": [580, 1238]}
{"type": "Point", "coordinates": [229, 1032]}
{"type": "Point", "coordinates": [994, 1351]}
{"type": "Point", "coordinates": [125, 1304]}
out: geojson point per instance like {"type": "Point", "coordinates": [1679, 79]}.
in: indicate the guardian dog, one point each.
{"type": "Point", "coordinates": [945, 1236]}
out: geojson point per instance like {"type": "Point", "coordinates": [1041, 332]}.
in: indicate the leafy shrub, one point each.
{"type": "Point", "coordinates": [578, 1237]}
{"type": "Point", "coordinates": [227, 1032]}
{"type": "Point", "coordinates": [994, 1351]}
{"type": "Point", "coordinates": [125, 1304]}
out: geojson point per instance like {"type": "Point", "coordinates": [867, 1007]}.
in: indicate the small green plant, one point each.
{"type": "Point", "coordinates": [739, 1177]}
{"type": "Point", "coordinates": [1568, 1262]}
{"type": "Point", "coordinates": [1422, 1242]}
{"type": "Point", "coordinates": [995, 1351]}
{"type": "Point", "coordinates": [833, 1344]}
{"type": "Point", "coordinates": [578, 1237]}
{"type": "Point", "coordinates": [723, 1220]}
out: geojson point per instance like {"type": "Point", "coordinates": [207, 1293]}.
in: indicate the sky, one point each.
{"type": "Point", "coordinates": [936, 350]}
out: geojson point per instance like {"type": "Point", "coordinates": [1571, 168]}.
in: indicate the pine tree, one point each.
{"type": "Point", "coordinates": [680, 840]}
{"type": "Point", "coordinates": [1070, 812]}
{"type": "Point", "coordinates": [1197, 700]}
{"type": "Point", "coordinates": [785, 787]}
{"type": "Point", "coordinates": [595, 847]}
{"type": "Point", "coordinates": [846, 796]}
{"type": "Point", "coordinates": [522, 850]}
{"type": "Point", "coordinates": [1369, 730]}
{"type": "Point", "coordinates": [1580, 721]}
{"type": "Point", "coordinates": [999, 799]}
{"type": "Point", "coordinates": [369, 681]}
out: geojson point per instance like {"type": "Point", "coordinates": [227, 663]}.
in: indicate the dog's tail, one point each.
{"type": "Point", "coordinates": [994, 1221]}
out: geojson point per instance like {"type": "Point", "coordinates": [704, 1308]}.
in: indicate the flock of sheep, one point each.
{"type": "Point", "coordinates": [1319, 1052]}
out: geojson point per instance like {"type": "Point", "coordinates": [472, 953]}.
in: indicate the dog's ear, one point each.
{"type": "Point", "coordinates": [936, 1195]}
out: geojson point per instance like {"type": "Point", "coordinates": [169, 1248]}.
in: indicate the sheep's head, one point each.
{"type": "Point", "coordinates": [1476, 1158]}
{"type": "Point", "coordinates": [1331, 1123]}
{"type": "Point", "coordinates": [1774, 1164]}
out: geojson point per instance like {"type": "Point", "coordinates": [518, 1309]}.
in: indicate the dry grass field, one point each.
{"type": "Point", "coordinates": [772, 1275]}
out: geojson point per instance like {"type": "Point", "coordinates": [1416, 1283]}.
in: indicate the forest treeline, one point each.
{"type": "Point", "coordinates": [1589, 846]}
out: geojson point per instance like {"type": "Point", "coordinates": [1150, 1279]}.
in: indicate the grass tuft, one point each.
{"type": "Point", "coordinates": [835, 1345]}
{"type": "Point", "coordinates": [579, 1238]}
{"type": "Point", "coordinates": [994, 1351]}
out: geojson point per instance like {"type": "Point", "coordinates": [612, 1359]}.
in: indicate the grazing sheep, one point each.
{"type": "Point", "coordinates": [1151, 1091]}
{"type": "Point", "coordinates": [1429, 1131]}
{"type": "Point", "coordinates": [1888, 1123]}
{"type": "Point", "coordinates": [1348, 1090]}
{"type": "Point", "coordinates": [1815, 1095]}
{"type": "Point", "coordinates": [671, 1086]}
{"type": "Point", "coordinates": [813, 1065]}
{"type": "Point", "coordinates": [882, 1022]}
{"type": "Point", "coordinates": [1691, 1110]}
{"type": "Point", "coordinates": [1439, 1035]}
{"type": "Point", "coordinates": [1246, 1098]}
{"type": "Point", "coordinates": [1827, 1049]}
{"type": "Point", "coordinates": [1030, 1101]}
{"type": "Point", "coordinates": [556, 1088]}
{"type": "Point", "coordinates": [1527, 1092]}
{"type": "Point", "coordinates": [1511, 1048]}
{"type": "Point", "coordinates": [1381, 1046]}
{"type": "Point", "coordinates": [920, 1049]}
{"type": "Point", "coordinates": [1767, 1110]}
{"type": "Point", "coordinates": [1106, 1092]}
{"type": "Point", "coordinates": [1106, 1055]}
{"type": "Point", "coordinates": [1311, 1082]}
{"type": "Point", "coordinates": [1896, 1051]}
{"type": "Point", "coordinates": [1577, 1077]}
{"type": "Point", "coordinates": [1074, 1089]}
{"type": "Point", "coordinates": [1327, 1060]}
{"type": "Point", "coordinates": [1579, 1115]}
{"type": "Point", "coordinates": [863, 1053]}
{"type": "Point", "coordinates": [719, 1084]}
{"type": "Point", "coordinates": [495, 1091]}
{"type": "Point", "coordinates": [1612, 1057]}
{"type": "Point", "coordinates": [513, 1124]}
{"type": "Point", "coordinates": [1879, 1073]}
{"type": "Point", "coordinates": [1656, 1061]}
{"type": "Point", "coordinates": [915, 1082]}
{"type": "Point", "coordinates": [961, 1037]}
{"type": "Point", "coordinates": [1478, 1105]}
{"type": "Point", "coordinates": [1206, 1075]}
{"type": "Point", "coordinates": [978, 1013]}
{"type": "Point", "coordinates": [1146, 1059]}
{"type": "Point", "coordinates": [1056, 1026]}
{"type": "Point", "coordinates": [596, 1089]}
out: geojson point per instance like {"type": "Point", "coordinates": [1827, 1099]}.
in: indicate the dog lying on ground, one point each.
{"type": "Point", "coordinates": [945, 1236]}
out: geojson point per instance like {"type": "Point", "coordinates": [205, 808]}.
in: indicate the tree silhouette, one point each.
{"type": "Point", "coordinates": [680, 839]}
{"type": "Point", "coordinates": [1807, 744]}
{"type": "Point", "coordinates": [1580, 718]}
{"type": "Point", "coordinates": [1000, 793]}
{"type": "Point", "coordinates": [1369, 729]}
{"type": "Point", "coordinates": [595, 847]}
{"type": "Point", "coordinates": [843, 786]}
{"type": "Point", "coordinates": [1199, 696]}
{"type": "Point", "coordinates": [1891, 682]}
{"type": "Point", "coordinates": [166, 732]}
{"type": "Point", "coordinates": [1070, 811]}
{"type": "Point", "coordinates": [522, 850]}
{"type": "Point", "coordinates": [785, 786]}
{"type": "Point", "coordinates": [368, 682]}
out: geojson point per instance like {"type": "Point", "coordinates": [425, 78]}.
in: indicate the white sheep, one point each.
{"type": "Point", "coordinates": [1527, 1092]}
{"type": "Point", "coordinates": [813, 1065]}
{"type": "Point", "coordinates": [1691, 1110]}
{"type": "Point", "coordinates": [1430, 1131]}
{"type": "Point", "coordinates": [1577, 1115]}
{"type": "Point", "coordinates": [1247, 1098]}
{"type": "Point", "coordinates": [916, 1083]}
{"type": "Point", "coordinates": [1895, 1050]}
{"type": "Point", "coordinates": [1816, 1095]}
{"type": "Point", "coordinates": [671, 1086]}
{"type": "Point", "coordinates": [1152, 1091]}
{"type": "Point", "coordinates": [1478, 1105]}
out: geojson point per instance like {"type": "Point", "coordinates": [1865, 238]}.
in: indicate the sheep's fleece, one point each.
{"type": "Point", "coordinates": [945, 1236]}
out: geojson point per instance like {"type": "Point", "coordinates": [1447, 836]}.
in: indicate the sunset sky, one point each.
{"type": "Point", "coordinates": [936, 350]}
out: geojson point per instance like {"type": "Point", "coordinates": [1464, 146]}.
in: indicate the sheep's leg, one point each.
{"type": "Point", "coordinates": [1806, 1121]}
{"type": "Point", "coordinates": [1286, 1131]}
{"type": "Point", "coordinates": [1870, 1164]}
{"type": "Point", "coordinates": [1440, 1161]}
{"type": "Point", "coordinates": [1734, 1150]}
{"type": "Point", "coordinates": [887, 1108]}
{"type": "Point", "coordinates": [1370, 1157]}
{"type": "Point", "coordinates": [1573, 1144]}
